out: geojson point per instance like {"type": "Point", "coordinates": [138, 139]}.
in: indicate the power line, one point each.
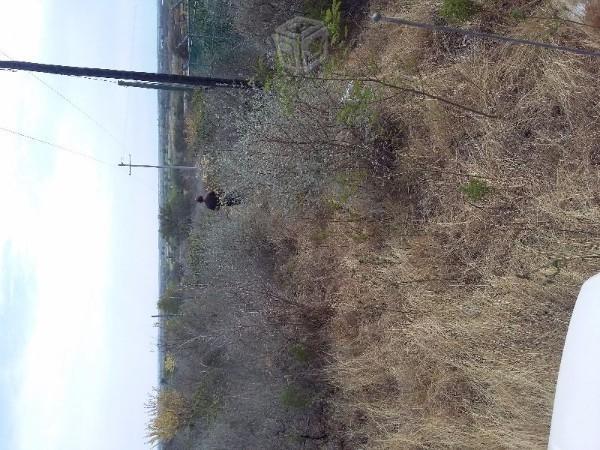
{"type": "Point", "coordinates": [56, 146]}
{"type": "Point", "coordinates": [120, 142]}
{"type": "Point", "coordinates": [68, 150]}
{"type": "Point", "coordinates": [73, 104]}
{"type": "Point", "coordinates": [495, 37]}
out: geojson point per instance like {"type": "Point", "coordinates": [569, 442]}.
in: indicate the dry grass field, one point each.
{"type": "Point", "coordinates": [450, 319]}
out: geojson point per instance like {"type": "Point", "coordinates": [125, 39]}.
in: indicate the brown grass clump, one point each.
{"type": "Point", "coordinates": [592, 13]}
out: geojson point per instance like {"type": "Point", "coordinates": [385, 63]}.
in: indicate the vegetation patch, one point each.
{"type": "Point", "coordinates": [300, 353]}
{"type": "Point", "coordinates": [171, 299]}
{"type": "Point", "coordinates": [205, 403]}
{"type": "Point", "coordinates": [195, 123]}
{"type": "Point", "coordinates": [458, 10]}
{"type": "Point", "coordinates": [334, 22]}
{"type": "Point", "coordinates": [169, 413]}
{"type": "Point", "coordinates": [295, 397]}
{"type": "Point", "coordinates": [476, 189]}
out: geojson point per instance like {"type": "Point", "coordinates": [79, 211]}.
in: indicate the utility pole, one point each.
{"type": "Point", "coordinates": [130, 165]}
{"type": "Point", "coordinates": [129, 75]}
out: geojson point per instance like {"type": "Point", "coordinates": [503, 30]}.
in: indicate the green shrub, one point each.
{"type": "Point", "coordinates": [517, 14]}
{"type": "Point", "coordinates": [333, 22]}
{"type": "Point", "coordinates": [476, 189]}
{"type": "Point", "coordinates": [357, 105]}
{"type": "Point", "coordinates": [295, 397]}
{"type": "Point", "coordinates": [284, 86]}
{"type": "Point", "coordinates": [170, 301]}
{"type": "Point", "coordinates": [174, 216]}
{"type": "Point", "coordinates": [458, 10]}
{"type": "Point", "coordinates": [205, 403]}
{"type": "Point", "coordinates": [263, 73]}
{"type": "Point", "coordinates": [300, 353]}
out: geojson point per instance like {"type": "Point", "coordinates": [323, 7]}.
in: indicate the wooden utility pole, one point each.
{"type": "Point", "coordinates": [130, 165]}
{"type": "Point", "coordinates": [129, 75]}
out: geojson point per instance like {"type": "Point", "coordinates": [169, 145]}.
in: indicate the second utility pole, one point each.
{"type": "Point", "coordinates": [130, 165]}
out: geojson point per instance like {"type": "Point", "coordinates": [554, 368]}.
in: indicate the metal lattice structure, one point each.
{"type": "Point", "coordinates": [212, 41]}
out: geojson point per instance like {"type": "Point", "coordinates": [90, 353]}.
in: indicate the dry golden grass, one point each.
{"type": "Point", "coordinates": [169, 412]}
{"type": "Point", "coordinates": [449, 318]}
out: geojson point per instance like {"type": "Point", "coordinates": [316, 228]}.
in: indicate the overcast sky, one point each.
{"type": "Point", "coordinates": [78, 237]}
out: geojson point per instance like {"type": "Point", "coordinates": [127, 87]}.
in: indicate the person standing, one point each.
{"type": "Point", "coordinates": [214, 202]}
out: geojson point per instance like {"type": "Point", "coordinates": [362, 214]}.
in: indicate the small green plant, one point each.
{"type": "Point", "coordinates": [333, 204]}
{"type": "Point", "coordinates": [557, 265]}
{"type": "Point", "coordinates": [333, 21]}
{"type": "Point", "coordinates": [205, 403]}
{"type": "Point", "coordinates": [517, 14]}
{"type": "Point", "coordinates": [349, 183]}
{"type": "Point", "coordinates": [458, 10]}
{"type": "Point", "coordinates": [300, 353]}
{"type": "Point", "coordinates": [316, 47]}
{"type": "Point", "coordinates": [356, 109]}
{"type": "Point", "coordinates": [284, 86]}
{"type": "Point", "coordinates": [295, 397]}
{"type": "Point", "coordinates": [476, 189]}
{"type": "Point", "coordinates": [263, 73]}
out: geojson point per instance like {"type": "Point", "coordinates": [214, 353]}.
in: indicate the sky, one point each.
{"type": "Point", "coordinates": [78, 235]}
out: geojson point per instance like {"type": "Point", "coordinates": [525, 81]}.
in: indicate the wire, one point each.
{"type": "Point", "coordinates": [73, 152]}
{"type": "Point", "coordinates": [496, 37]}
{"type": "Point", "coordinates": [120, 142]}
{"type": "Point", "coordinates": [73, 104]}
{"type": "Point", "coordinates": [56, 146]}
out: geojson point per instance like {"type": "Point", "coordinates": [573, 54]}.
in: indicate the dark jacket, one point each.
{"type": "Point", "coordinates": [211, 200]}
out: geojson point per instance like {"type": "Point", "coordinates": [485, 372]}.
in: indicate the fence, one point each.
{"type": "Point", "coordinates": [212, 40]}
